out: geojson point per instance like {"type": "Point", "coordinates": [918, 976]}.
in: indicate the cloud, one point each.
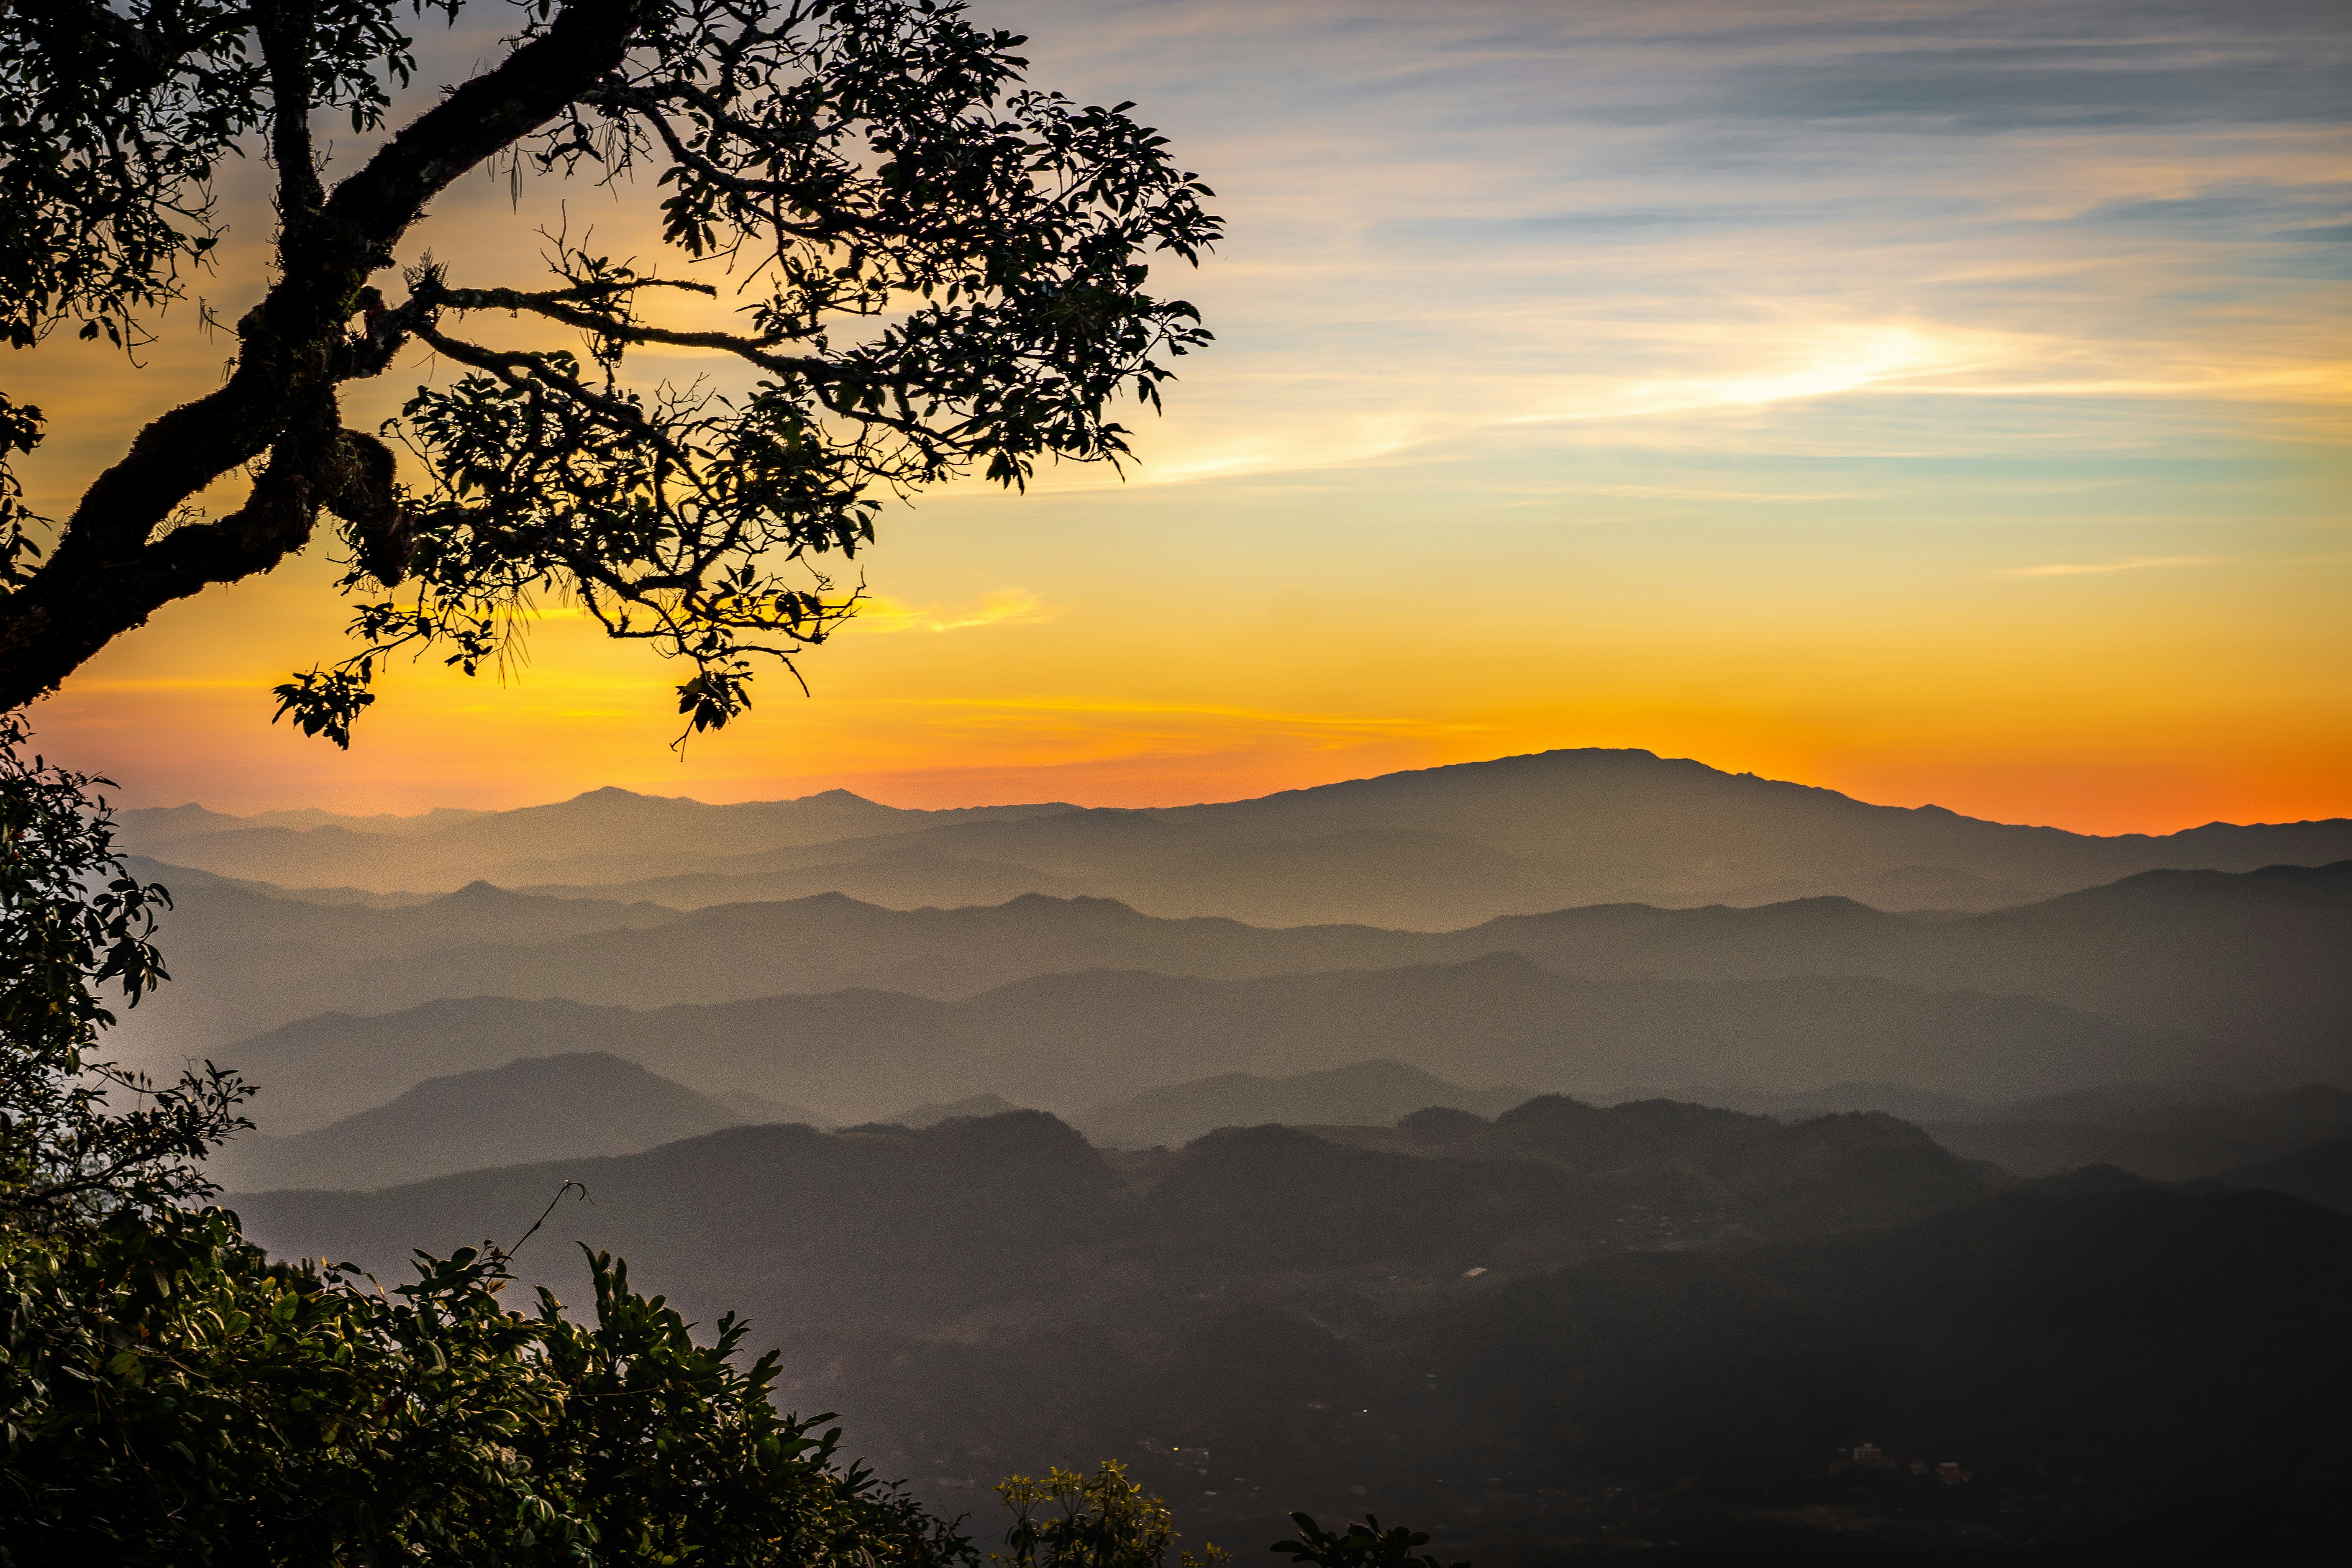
{"type": "Point", "coordinates": [2136, 564]}
{"type": "Point", "coordinates": [879, 614]}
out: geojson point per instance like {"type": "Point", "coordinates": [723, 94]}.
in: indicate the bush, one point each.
{"type": "Point", "coordinates": [170, 1396]}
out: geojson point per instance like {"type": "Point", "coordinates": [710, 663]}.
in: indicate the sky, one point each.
{"type": "Point", "coordinates": [1937, 402]}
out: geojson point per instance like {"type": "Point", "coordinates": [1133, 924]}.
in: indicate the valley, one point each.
{"type": "Point", "coordinates": [1509, 1141]}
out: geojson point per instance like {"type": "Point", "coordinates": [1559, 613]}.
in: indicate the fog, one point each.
{"type": "Point", "coordinates": [1581, 1148]}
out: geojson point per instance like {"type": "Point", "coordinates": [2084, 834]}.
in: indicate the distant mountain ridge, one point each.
{"type": "Point", "coordinates": [1073, 1042]}
{"type": "Point", "coordinates": [579, 1103]}
{"type": "Point", "coordinates": [2154, 1131]}
{"type": "Point", "coordinates": [1374, 1093]}
{"type": "Point", "coordinates": [1428, 849]}
{"type": "Point", "coordinates": [2251, 960]}
{"type": "Point", "coordinates": [458, 847]}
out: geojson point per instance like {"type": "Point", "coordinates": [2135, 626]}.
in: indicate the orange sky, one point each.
{"type": "Point", "coordinates": [1999, 463]}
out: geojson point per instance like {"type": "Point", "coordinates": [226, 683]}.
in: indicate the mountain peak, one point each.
{"type": "Point", "coordinates": [480, 891]}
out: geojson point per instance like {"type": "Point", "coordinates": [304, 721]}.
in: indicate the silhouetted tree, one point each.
{"type": "Point", "coordinates": [74, 922]}
{"type": "Point", "coordinates": [945, 271]}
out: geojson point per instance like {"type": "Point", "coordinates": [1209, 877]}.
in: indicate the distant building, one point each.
{"type": "Point", "coordinates": [1950, 1473]}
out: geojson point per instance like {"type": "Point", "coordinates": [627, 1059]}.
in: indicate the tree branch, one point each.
{"type": "Point", "coordinates": [585, 42]}
{"type": "Point", "coordinates": [140, 59]}
{"type": "Point", "coordinates": [77, 603]}
{"type": "Point", "coordinates": [105, 577]}
{"type": "Point", "coordinates": [557, 305]}
{"type": "Point", "coordinates": [285, 26]}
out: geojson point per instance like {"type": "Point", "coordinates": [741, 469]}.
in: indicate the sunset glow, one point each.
{"type": "Point", "coordinates": [1938, 403]}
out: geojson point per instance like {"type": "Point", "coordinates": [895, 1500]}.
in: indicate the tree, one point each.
{"type": "Point", "coordinates": [945, 271]}
{"type": "Point", "coordinates": [1361, 1545]}
{"type": "Point", "coordinates": [170, 1396]}
{"type": "Point", "coordinates": [1104, 1520]}
{"type": "Point", "coordinates": [72, 921]}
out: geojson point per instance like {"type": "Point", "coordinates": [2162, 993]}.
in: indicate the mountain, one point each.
{"type": "Point", "coordinates": [242, 960]}
{"type": "Point", "coordinates": [2155, 1131]}
{"type": "Point", "coordinates": [2079, 1356]}
{"type": "Point", "coordinates": [909, 878]}
{"type": "Point", "coordinates": [186, 879]}
{"type": "Point", "coordinates": [2248, 959]}
{"type": "Point", "coordinates": [1601, 1331]}
{"type": "Point", "coordinates": [583, 1103]}
{"type": "Point", "coordinates": [1364, 1093]}
{"type": "Point", "coordinates": [602, 834]}
{"type": "Point", "coordinates": [1429, 850]}
{"type": "Point", "coordinates": [1632, 812]}
{"type": "Point", "coordinates": [890, 1225]}
{"type": "Point", "coordinates": [1822, 1174]}
{"type": "Point", "coordinates": [2166, 1143]}
{"type": "Point", "coordinates": [746, 1105]}
{"type": "Point", "coordinates": [1888, 1098]}
{"type": "Point", "coordinates": [932, 1115]}
{"type": "Point", "coordinates": [1073, 1042]}
{"type": "Point", "coordinates": [2321, 1175]}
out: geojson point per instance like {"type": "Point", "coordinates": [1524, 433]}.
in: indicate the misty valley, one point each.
{"type": "Point", "coordinates": [1578, 1154]}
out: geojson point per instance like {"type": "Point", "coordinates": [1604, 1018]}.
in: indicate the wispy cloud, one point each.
{"type": "Point", "coordinates": [1688, 344]}
{"type": "Point", "coordinates": [1470, 218]}
{"type": "Point", "coordinates": [879, 612]}
{"type": "Point", "coordinates": [2093, 568]}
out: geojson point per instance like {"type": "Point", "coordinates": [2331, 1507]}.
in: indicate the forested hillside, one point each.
{"type": "Point", "coordinates": [1543, 1321]}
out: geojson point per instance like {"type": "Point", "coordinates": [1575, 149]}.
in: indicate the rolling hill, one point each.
{"type": "Point", "coordinates": [906, 1227]}
{"type": "Point", "coordinates": [1373, 1093]}
{"type": "Point", "coordinates": [2249, 960]}
{"type": "Point", "coordinates": [543, 1108]}
{"type": "Point", "coordinates": [1600, 1317]}
{"type": "Point", "coordinates": [1073, 1042]}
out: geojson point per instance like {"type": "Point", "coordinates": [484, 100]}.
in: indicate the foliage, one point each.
{"type": "Point", "coordinates": [113, 120]}
{"type": "Point", "coordinates": [1363, 1545]}
{"type": "Point", "coordinates": [73, 921]}
{"type": "Point", "coordinates": [167, 1394]}
{"type": "Point", "coordinates": [170, 1396]}
{"type": "Point", "coordinates": [936, 269]}
{"type": "Point", "coordinates": [1102, 1521]}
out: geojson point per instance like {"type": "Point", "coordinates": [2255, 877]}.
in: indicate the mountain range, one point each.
{"type": "Point", "coordinates": [2250, 962]}
{"type": "Point", "coordinates": [589, 1103]}
{"type": "Point", "coordinates": [1072, 1042]}
{"type": "Point", "coordinates": [1431, 849]}
{"type": "Point", "coordinates": [2157, 1131]}
{"type": "Point", "coordinates": [1551, 1179]}
{"type": "Point", "coordinates": [1656, 1316]}
{"type": "Point", "coordinates": [1574, 1151]}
